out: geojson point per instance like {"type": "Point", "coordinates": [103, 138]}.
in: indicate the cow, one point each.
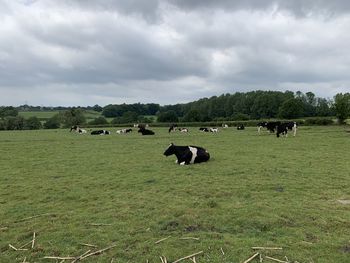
{"type": "Point", "coordinates": [172, 128]}
{"type": "Point", "coordinates": [202, 129]}
{"type": "Point", "coordinates": [141, 126]}
{"type": "Point", "coordinates": [215, 130]}
{"type": "Point", "coordinates": [100, 132]}
{"type": "Point", "coordinates": [283, 128]}
{"type": "Point", "coordinates": [145, 131]}
{"type": "Point", "coordinates": [240, 127]}
{"type": "Point", "coordinates": [187, 154]}
{"type": "Point", "coordinates": [183, 130]}
{"type": "Point", "coordinates": [124, 131]}
{"type": "Point", "coordinates": [77, 129]}
{"type": "Point", "coordinates": [224, 126]}
{"type": "Point", "coordinates": [271, 126]}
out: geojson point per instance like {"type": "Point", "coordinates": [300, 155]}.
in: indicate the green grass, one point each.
{"type": "Point", "coordinates": [255, 191]}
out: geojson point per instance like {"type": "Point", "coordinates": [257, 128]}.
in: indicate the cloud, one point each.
{"type": "Point", "coordinates": [88, 52]}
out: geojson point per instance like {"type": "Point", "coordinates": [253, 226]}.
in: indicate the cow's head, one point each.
{"type": "Point", "coordinates": [170, 150]}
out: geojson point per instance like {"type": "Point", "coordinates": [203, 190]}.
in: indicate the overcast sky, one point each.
{"type": "Point", "coordinates": [86, 52]}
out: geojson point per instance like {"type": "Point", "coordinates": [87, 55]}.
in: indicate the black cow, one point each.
{"type": "Point", "coordinates": [146, 132]}
{"type": "Point", "coordinates": [240, 127]}
{"type": "Point", "coordinates": [187, 154]}
{"type": "Point", "coordinates": [100, 132]}
{"type": "Point", "coordinates": [202, 129]}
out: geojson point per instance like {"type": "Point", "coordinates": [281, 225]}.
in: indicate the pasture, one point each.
{"type": "Point", "coordinates": [256, 190]}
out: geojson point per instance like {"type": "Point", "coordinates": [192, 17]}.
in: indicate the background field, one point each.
{"type": "Point", "coordinates": [255, 191]}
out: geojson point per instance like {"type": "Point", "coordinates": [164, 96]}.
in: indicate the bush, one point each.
{"type": "Point", "coordinates": [52, 123]}
{"type": "Point", "coordinates": [99, 121]}
{"type": "Point", "coordinates": [319, 121]}
{"type": "Point", "coordinates": [33, 123]}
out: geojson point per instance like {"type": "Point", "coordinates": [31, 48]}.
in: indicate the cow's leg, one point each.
{"type": "Point", "coordinates": [259, 129]}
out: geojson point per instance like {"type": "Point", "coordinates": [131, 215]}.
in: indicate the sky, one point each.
{"type": "Point", "coordinates": [87, 52]}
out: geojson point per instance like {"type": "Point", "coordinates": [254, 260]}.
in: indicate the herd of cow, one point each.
{"type": "Point", "coordinates": [193, 154]}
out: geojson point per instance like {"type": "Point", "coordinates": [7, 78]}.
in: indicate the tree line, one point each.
{"type": "Point", "coordinates": [252, 105]}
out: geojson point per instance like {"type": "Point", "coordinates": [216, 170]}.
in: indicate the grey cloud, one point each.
{"type": "Point", "coordinates": [168, 51]}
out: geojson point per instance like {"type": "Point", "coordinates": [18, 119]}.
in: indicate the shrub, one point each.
{"type": "Point", "coordinates": [99, 121]}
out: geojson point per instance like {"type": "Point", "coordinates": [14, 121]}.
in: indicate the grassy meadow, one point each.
{"type": "Point", "coordinates": [73, 189]}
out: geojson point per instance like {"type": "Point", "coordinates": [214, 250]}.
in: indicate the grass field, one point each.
{"type": "Point", "coordinates": [255, 191]}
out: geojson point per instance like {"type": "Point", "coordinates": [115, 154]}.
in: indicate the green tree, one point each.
{"type": "Point", "coordinates": [53, 122]}
{"type": "Point", "coordinates": [168, 116]}
{"type": "Point", "coordinates": [342, 106]}
{"type": "Point", "coordinates": [99, 121]}
{"type": "Point", "coordinates": [292, 108]}
{"type": "Point", "coordinates": [74, 116]}
{"type": "Point", "coordinates": [14, 123]}
{"type": "Point", "coordinates": [33, 123]}
{"type": "Point", "coordinates": [8, 111]}
{"type": "Point", "coordinates": [192, 115]}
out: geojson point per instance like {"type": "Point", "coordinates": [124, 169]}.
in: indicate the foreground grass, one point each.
{"type": "Point", "coordinates": [255, 191]}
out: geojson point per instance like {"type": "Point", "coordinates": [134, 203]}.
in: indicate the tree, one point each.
{"type": "Point", "coordinates": [74, 116]}
{"type": "Point", "coordinates": [292, 108]}
{"type": "Point", "coordinates": [99, 121]}
{"type": "Point", "coordinates": [192, 115]}
{"type": "Point", "coordinates": [97, 108]}
{"type": "Point", "coordinates": [33, 123]}
{"type": "Point", "coordinates": [52, 123]}
{"type": "Point", "coordinates": [342, 106]}
{"type": "Point", "coordinates": [168, 116]}
{"type": "Point", "coordinates": [8, 111]}
{"type": "Point", "coordinates": [14, 123]}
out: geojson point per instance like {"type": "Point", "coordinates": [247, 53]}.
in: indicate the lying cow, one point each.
{"type": "Point", "coordinates": [77, 129]}
{"type": "Point", "coordinates": [124, 131]}
{"type": "Point", "coordinates": [187, 154]}
{"type": "Point", "coordinates": [100, 132]}
{"type": "Point", "coordinates": [145, 131]}
{"type": "Point", "coordinates": [214, 130]}
{"type": "Point", "coordinates": [183, 130]}
{"type": "Point", "coordinates": [240, 127]}
{"type": "Point", "coordinates": [202, 129]}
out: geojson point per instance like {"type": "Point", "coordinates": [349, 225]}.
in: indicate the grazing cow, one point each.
{"type": "Point", "coordinates": [202, 129]}
{"type": "Point", "coordinates": [172, 128]}
{"type": "Point", "coordinates": [240, 127]}
{"type": "Point", "coordinates": [145, 132]}
{"type": "Point", "coordinates": [183, 130]}
{"type": "Point", "coordinates": [100, 132]}
{"type": "Point", "coordinates": [187, 154]}
{"type": "Point", "coordinates": [283, 128]}
{"type": "Point", "coordinates": [224, 126]}
{"type": "Point", "coordinates": [215, 130]}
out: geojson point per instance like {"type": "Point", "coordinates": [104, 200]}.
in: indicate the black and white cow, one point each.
{"type": "Point", "coordinates": [77, 129]}
{"type": "Point", "coordinates": [124, 131]}
{"type": "Point", "coordinates": [100, 132]}
{"type": "Point", "coordinates": [224, 125]}
{"type": "Point", "coordinates": [283, 128]}
{"type": "Point", "coordinates": [145, 131]}
{"type": "Point", "coordinates": [203, 129]}
{"type": "Point", "coordinates": [172, 128]}
{"type": "Point", "coordinates": [183, 129]}
{"type": "Point", "coordinates": [215, 130]}
{"type": "Point", "coordinates": [187, 154]}
{"type": "Point", "coordinates": [240, 127]}
{"type": "Point", "coordinates": [271, 126]}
